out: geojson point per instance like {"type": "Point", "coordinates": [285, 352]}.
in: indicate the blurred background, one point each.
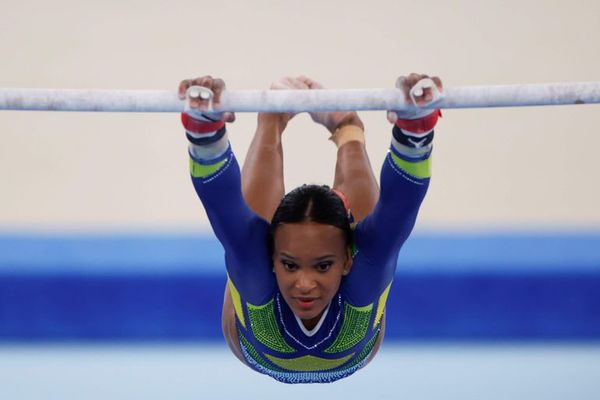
{"type": "Point", "coordinates": [110, 278]}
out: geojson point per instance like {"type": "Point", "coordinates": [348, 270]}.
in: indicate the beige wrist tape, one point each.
{"type": "Point", "coordinates": [347, 133]}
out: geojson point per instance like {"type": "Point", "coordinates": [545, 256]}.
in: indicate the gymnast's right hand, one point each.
{"type": "Point", "coordinates": [199, 108]}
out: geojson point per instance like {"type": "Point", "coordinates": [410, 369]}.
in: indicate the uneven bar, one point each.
{"type": "Point", "coordinates": [299, 100]}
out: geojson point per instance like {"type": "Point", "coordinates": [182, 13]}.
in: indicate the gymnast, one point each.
{"type": "Point", "coordinates": [309, 271]}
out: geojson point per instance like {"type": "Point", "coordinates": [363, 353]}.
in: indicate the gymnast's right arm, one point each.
{"type": "Point", "coordinates": [216, 177]}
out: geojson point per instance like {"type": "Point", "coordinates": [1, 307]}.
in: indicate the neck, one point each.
{"type": "Point", "coordinates": [311, 323]}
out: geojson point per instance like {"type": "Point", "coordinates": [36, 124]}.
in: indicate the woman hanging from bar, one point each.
{"type": "Point", "coordinates": [308, 279]}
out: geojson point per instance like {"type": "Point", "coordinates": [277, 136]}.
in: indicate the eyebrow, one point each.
{"type": "Point", "coordinates": [325, 257]}
{"type": "Point", "coordinates": [321, 258]}
{"type": "Point", "coordinates": [286, 255]}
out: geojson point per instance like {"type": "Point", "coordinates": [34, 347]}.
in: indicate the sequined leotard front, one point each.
{"type": "Point", "coordinates": [271, 338]}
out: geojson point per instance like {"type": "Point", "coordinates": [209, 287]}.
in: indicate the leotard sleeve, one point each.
{"type": "Point", "coordinates": [242, 233]}
{"type": "Point", "coordinates": [379, 237]}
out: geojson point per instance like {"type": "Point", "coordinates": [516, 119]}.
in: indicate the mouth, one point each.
{"type": "Point", "coordinates": [305, 303]}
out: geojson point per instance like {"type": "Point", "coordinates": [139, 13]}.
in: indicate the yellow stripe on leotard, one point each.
{"type": "Point", "coordinates": [419, 169]}
{"type": "Point", "coordinates": [202, 171]}
{"type": "Point", "coordinates": [237, 302]}
{"type": "Point", "coordinates": [381, 305]}
{"type": "Point", "coordinates": [354, 328]}
{"type": "Point", "coordinates": [308, 363]}
{"type": "Point", "coordinates": [265, 329]}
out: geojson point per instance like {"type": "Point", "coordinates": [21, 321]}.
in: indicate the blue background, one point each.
{"type": "Point", "coordinates": [165, 288]}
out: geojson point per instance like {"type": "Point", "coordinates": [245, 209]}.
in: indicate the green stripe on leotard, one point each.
{"type": "Point", "coordinates": [202, 171]}
{"type": "Point", "coordinates": [419, 169]}
{"type": "Point", "coordinates": [265, 328]}
{"type": "Point", "coordinates": [354, 328]}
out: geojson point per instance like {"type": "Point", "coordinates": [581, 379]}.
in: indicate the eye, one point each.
{"type": "Point", "coordinates": [324, 266]}
{"type": "Point", "coordinates": [288, 265]}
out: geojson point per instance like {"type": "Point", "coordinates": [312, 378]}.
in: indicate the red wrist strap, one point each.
{"type": "Point", "coordinates": [196, 126]}
{"type": "Point", "coordinates": [420, 125]}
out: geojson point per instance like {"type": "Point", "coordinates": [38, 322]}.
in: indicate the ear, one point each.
{"type": "Point", "coordinates": [348, 262]}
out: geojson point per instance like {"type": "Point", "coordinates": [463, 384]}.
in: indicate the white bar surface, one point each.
{"type": "Point", "coordinates": [299, 100]}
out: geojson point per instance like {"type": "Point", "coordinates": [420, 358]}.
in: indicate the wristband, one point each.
{"type": "Point", "coordinates": [412, 141]}
{"type": "Point", "coordinates": [206, 139]}
{"type": "Point", "coordinates": [419, 125]}
{"type": "Point", "coordinates": [347, 133]}
{"type": "Point", "coordinates": [197, 126]}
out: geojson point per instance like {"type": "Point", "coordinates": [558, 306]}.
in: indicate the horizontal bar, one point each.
{"type": "Point", "coordinates": [299, 100]}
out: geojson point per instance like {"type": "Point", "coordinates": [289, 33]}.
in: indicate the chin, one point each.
{"type": "Point", "coordinates": [311, 313]}
{"type": "Point", "coordinates": [303, 314]}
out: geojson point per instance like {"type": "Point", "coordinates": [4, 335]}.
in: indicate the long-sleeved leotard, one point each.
{"type": "Point", "coordinates": [273, 340]}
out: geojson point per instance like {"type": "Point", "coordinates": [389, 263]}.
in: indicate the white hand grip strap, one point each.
{"type": "Point", "coordinates": [205, 94]}
{"type": "Point", "coordinates": [199, 92]}
{"type": "Point", "coordinates": [419, 89]}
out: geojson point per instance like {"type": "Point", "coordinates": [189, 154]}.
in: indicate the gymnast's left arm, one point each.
{"type": "Point", "coordinates": [405, 178]}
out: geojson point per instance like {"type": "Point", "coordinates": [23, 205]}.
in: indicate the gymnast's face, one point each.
{"type": "Point", "coordinates": [309, 261]}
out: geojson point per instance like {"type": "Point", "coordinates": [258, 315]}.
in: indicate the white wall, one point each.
{"type": "Point", "coordinates": [493, 168]}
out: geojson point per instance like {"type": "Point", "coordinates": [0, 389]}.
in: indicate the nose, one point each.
{"type": "Point", "coordinates": [305, 282]}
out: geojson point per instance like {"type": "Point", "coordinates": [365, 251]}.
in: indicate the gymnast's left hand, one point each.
{"type": "Point", "coordinates": [334, 119]}
{"type": "Point", "coordinates": [285, 83]}
{"type": "Point", "coordinates": [217, 86]}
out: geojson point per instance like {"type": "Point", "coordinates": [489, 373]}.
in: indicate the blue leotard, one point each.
{"type": "Point", "coordinates": [272, 339]}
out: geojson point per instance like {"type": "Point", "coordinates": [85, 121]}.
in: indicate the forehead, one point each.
{"type": "Point", "coordinates": [309, 237]}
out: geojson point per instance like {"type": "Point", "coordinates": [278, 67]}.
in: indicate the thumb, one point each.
{"type": "Point", "coordinates": [228, 117]}
{"type": "Point", "coordinates": [392, 117]}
